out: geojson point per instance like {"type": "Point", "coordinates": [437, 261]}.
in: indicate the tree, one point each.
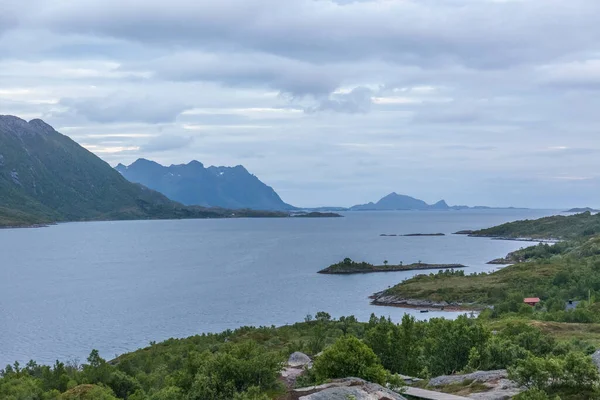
{"type": "Point", "coordinates": [580, 371]}
{"type": "Point", "coordinates": [385, 262]}
{"type": "Point", "coordinates": [234, 369]}
{"type": "Point", "coordinates": [322, 316]}
{"type": "Point", "coordinates": [348, 356]}
{"type": "Point", "coordinates": [88, 392]}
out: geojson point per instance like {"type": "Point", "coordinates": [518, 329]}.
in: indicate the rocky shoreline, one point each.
{"type": "Point", "coordinates": [414, 234]}
{"type": "Point", "coordinates": [471, 233]}
{"type": "Point", "coordinates": [381, 299]}
{"type": "Point", "coordinates": [26, 226]}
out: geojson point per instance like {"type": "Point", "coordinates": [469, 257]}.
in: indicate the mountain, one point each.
{"type": "Point", "coordinates": [47, 177]}
{"type": "Point", "coordinates": [193, 184]}
{"type": "Point", "coordinates": [394, 201]}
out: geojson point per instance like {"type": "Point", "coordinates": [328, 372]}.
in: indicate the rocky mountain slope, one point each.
{"type": "Point", "coordinates": [193, 184]}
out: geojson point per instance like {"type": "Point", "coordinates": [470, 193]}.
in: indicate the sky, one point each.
{"type": "Point", "coordinates": [331, 102]}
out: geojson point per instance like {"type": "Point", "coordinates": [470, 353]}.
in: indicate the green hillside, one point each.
{"type": "Point", "coordinates": [557, 227]}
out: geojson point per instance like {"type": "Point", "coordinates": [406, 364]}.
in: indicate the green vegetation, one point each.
{"type": "Point", "coordinates": [568, 270]}
{"type": "Point", "coordinates": [347, 266]}
{"type": "Point", "coordinates": [555, 227]}
{"type": "Point", "coordinates": [245, 364]}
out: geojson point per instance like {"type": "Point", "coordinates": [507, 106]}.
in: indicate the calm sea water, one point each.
{"type": "Point", "coordinates": [115, 286]}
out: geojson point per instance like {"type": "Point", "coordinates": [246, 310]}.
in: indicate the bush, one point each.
{"type": "Point", "coordinates": [347, 357]}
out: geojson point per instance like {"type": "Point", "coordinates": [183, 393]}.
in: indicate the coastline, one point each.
{"type": "Point", "coordinates": [32, 226]}
{"type": "Point", "coordinates": [379, 299]}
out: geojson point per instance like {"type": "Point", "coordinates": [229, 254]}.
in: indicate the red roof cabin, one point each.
{"type": "Point", "coordinates": [532, 301]}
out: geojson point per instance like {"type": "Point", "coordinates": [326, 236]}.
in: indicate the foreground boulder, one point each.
{"type": "Point", "coordinates": [500, 387]}
{"type": "Point", "coordinates": [478, 376]}
{"type": "Point", "coordinates": [298, 359]}
{"type": "Point", "coordinates": [348, 388]}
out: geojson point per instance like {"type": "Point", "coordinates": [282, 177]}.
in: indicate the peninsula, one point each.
{"type": "Point", "coordinates": [347, 266]}
{"type": "Point", "coordinates": [550, 272]}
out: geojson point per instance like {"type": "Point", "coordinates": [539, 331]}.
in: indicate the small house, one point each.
{"type": "Point", "coordinates": [571, 305]}
{"type": "Point", "coordinates": [532, 301]}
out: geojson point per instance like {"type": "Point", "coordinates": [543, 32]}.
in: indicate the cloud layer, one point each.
{"type": "Point", "coordinates": [331, 102]}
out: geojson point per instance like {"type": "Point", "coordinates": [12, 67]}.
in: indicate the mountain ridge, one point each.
{"type": "Point", "coordinates": [213, 186]}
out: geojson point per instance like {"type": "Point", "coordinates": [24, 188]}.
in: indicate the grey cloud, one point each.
{"type": "Point", "coordinates": [447, 116]}
{"type": "Point", "coordinates": [409, 32]}
{"type": "Point", "coordinates": [506, 80]}
{"type": "Point", "coordinates": [359, 100]}
{"type": "Point", "coordinates": [245, 69]}
{"type": "Point", "coordinates": [166, 143]}
{"type": "Point", "coordinates": [576, 74]}
{"type": "Point", "coordinates": [125, 108]}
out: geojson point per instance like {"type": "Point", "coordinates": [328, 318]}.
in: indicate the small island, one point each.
{"type": "Point", "coordinates": [316, 214]}
{"type": "Point", "coordinates": [348, 266]}
{"type": "Point", "coordinates": [414, 234]}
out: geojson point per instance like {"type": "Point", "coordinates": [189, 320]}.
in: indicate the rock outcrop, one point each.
{"type": "Point", "coordinates": [348, 388]}
{"type": "Point", "coordinates": [500, 387]}
{"type": "Point", "coordinates": [298, 359]}
{"type": "Point", "coordinates": [596, 358]}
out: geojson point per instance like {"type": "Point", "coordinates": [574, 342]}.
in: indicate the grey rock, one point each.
{"type": "Point", "coordinates": [478, 376]}
{"type": "Point", "coordinates": [504, 389]}
{"type": "Point", "coordinates": [500, 387]}
{"type": "Point", "coordinates": [350, 388]}
{"type": "Point", "coordinates": [298, 359]}
{"type": "Point", "coordinates": [290, 375]}
{"type": "Point", "coordinates": [14, 175]}
{"type": "Point", "coordinates": [596, 359]}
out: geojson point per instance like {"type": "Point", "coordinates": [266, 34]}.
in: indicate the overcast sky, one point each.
{"type": "Point", "coordinates": [491, 102]}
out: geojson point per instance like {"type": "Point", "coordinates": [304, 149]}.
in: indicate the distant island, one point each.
{"type": "Point", "coordinates": [415, 234]}
{"type": "Point", "coordinates": [316, 214]}
{"type": "Point", "coordinates": [348, 266]}
{"type": "Point", "coordinates": [396, 202]}
{"type": "Point", "coordinates": [582, 210]}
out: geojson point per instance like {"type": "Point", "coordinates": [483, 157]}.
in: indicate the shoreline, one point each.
{"type": "Point", "coordinates": [380, 299]}
{"type": "Point", "coordinates": [471, 233]}
{"type": "Point", "coordinates": [449, 308]}
{"type": "Point", "coordinates": [32, 226]}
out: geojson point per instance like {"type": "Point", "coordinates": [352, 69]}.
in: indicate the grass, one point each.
{"type": "Point", "coordinates": [464, 388]}
{"type": "Point", "coordinates": [483, 289]}
{"type": "Point", "coordinates": [560, 331]}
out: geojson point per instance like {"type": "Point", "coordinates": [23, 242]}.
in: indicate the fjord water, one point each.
{"type": "Point", "coordinates": [116, 286]}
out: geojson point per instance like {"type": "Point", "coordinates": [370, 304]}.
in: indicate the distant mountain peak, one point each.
{"type": "Point", "coordinates": [19, 127]}
{"type": "Point", "coordinates": [441, 205]}
{"type": "Point", "coordinates": [193, 184]}
{"type": "Point", "coordinates": [195, 163]}
{"type": "Point", "coordinates": [41, 125]}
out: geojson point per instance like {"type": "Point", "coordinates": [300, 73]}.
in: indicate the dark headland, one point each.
{"type": "Point", "coordinates": [347, 266]}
